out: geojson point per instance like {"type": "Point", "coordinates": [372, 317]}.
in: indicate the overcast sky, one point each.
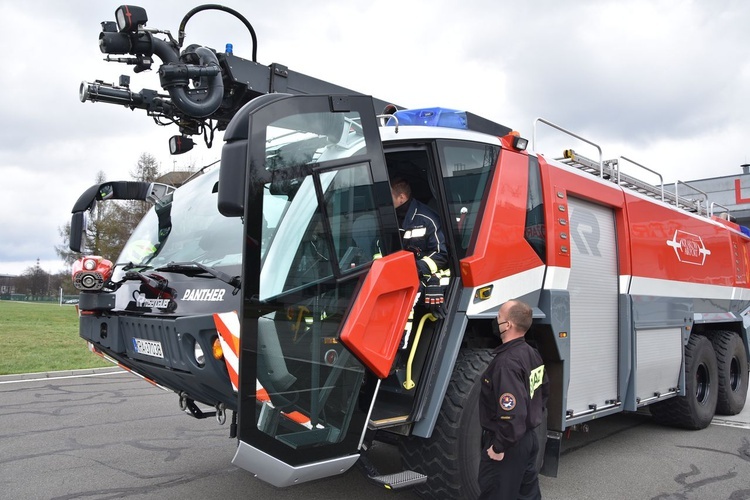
{"type": "Point", "coordinates": [665, 83]}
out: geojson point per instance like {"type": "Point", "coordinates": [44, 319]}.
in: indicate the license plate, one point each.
{"type": "Point", "coordinates": [148, 347]}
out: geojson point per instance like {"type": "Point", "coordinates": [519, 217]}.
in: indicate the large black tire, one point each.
{"type": "Point", "coordinates": [696, 408]}
{"type": "Point", "coordinates": [450, 457]}
{"type": "Point", "coordinates": [731, 360]}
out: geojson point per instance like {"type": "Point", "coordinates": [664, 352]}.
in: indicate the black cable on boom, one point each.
{"type": "Point", "coordinates": [213, 6]}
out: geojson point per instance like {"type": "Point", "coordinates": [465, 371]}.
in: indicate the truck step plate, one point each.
{"type": "Point", "coordinates": [404, 479]}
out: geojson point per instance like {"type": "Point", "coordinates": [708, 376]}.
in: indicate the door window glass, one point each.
{"type": "Point", "coordinates": [535, 232]}
{"type": "Point", "coordinates": [466, 172]}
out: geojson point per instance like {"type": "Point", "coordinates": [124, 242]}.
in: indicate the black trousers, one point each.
{"type": "Point", "coordinates": [514, 477]}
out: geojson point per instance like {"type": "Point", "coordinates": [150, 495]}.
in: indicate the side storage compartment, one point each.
{"type": "Point", "coordinates": [658, 363]}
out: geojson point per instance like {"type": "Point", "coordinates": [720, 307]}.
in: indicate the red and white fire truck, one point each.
{"type": "Point", "coordinates": [275, 286]}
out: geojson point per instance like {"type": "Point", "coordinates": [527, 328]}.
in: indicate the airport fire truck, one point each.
{"type": "Point", "coordinates": [275, 288]}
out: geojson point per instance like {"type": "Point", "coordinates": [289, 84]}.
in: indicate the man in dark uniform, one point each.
{"type": "Point", "coordinates": [511, 405]}
{"type": "Point", "coordinates": [421, 230]}
{"type": "Point", "coordinates": [422, 234]}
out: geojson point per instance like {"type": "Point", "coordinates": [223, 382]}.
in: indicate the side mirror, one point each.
{"type": "Point", "coordinates": [179, 144]}
{"type": "Point", "coordinates": [77, 231]}
{"type": "Point", "coordinates": [231, 199]}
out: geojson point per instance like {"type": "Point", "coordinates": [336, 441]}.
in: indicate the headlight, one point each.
{"type": "Point", "coordinates": [200, 358]}
{"type": "Point", "coordinates": [130, 17]}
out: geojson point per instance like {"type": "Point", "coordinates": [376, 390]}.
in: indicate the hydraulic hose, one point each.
{"type": "Point", "coordinates": [165, 51]}
{"type": "Point", "coordinates": [175, 80]}
{"type": "Point", "coordinates": [181, 34]}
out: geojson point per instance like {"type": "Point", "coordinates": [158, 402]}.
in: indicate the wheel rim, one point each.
{"type": "Point", "coordinates": [702, 383]}
{"type": "Point", "coordinates": [734, 374]}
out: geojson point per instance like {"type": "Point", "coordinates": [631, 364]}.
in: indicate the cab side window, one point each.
{"type": "Point", "coordinates": [535, 232]}
{"type": "Point", "coordinates": [466, 170]}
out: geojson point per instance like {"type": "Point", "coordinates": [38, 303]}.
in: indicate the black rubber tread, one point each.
{"type": "Point", "coordinates": [729, 346]}
{"type": "Point", "coordinates": [686, 411]}
{"type": "Point", "coordinates": [450, 457]}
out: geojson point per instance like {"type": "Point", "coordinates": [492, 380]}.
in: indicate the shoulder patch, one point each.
{"type": "Point", "coordinates": [507, 401]}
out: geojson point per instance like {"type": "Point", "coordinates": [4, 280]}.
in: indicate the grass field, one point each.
{"type": "Point", "coordinates": [40, 337]}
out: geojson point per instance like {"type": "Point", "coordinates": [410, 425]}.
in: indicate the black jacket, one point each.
{"type": "Point", "coordinates": [514, 393]}
{"type": "Point", "coordinates": [422, 234]}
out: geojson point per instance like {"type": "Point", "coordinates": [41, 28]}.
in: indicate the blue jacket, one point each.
{"type": "Point", "coordinates": [422, 234]}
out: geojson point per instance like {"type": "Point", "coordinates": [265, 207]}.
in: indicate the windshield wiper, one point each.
{"type": "Point", "coordinates": [197, 268]}
{"type": "Point", "coordinates": [156, 283]}
{"type": "Point", "coordinates": [130, 275]}
{"type": "Point", "coordinates": [127, 266]}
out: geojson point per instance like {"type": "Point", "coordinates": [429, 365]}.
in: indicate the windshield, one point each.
{"type": "Point", "coordinates": [186, 226]}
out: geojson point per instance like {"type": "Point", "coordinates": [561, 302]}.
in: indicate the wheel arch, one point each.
{"type": "Point", "coordinates": [696, 407]}
{"type": "Point", "coordinates": [709, 328]}
{"type": "Point", "coordinates": [731, 351]}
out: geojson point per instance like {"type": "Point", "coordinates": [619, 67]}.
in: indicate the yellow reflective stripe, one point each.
{"type": "Point", "coordinates": [431, 264]}
{"type": "Point", "coordinates": [535, 379]}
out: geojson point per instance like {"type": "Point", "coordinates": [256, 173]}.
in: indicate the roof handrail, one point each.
{"type": "Point", "coordinates": [561, 129]}
{"type": "Point", "coordinates": [385, 118]}
{"type": "Point", "coordinates": [714, 204]}
{"type": "Point", "coordinates": [661, 179]}
{"type": "Point", "coordinates": [677, 196]}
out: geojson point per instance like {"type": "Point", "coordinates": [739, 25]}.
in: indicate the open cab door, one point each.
{"type": "Point", "coordinates": [326, 288]}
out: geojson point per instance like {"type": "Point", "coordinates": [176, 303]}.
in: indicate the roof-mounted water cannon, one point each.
{"type": "Point", "coordinates": [201, 89]}
{"type": "Point", "coordinates": [192, 78]}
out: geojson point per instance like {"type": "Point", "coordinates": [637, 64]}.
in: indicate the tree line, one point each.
{"type": "Point", "coordinates": [109, 226]}
{"type": "Point", "coordinates": [35, 283]}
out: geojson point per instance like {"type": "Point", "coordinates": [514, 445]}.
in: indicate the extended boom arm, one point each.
{"type": "Point", "coordinates": [203, 89]}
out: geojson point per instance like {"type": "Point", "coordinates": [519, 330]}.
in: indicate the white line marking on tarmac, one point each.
{"type": "Point", "coordinates": [730, 423]}
{"type": "Point", "coordinates": [62, 377]}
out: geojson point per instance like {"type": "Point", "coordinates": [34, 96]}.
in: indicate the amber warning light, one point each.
{"type": "Point", "coordinates": [91, 272]}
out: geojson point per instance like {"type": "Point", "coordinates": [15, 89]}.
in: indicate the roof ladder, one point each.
{"type": "Point", "coordinates": [610, 170]}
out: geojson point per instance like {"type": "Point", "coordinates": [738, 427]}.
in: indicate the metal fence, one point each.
{"type": "Point", "coordinates": [59, 299]}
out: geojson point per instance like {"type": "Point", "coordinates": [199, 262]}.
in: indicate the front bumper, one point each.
{"type": "Point", "coordinates": [115, 335]}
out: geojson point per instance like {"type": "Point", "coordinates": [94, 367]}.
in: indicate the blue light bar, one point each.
{"type": "Point", "coordinates": [432, 117]}
{"type": "Point", "coordinates": [449, 118]}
